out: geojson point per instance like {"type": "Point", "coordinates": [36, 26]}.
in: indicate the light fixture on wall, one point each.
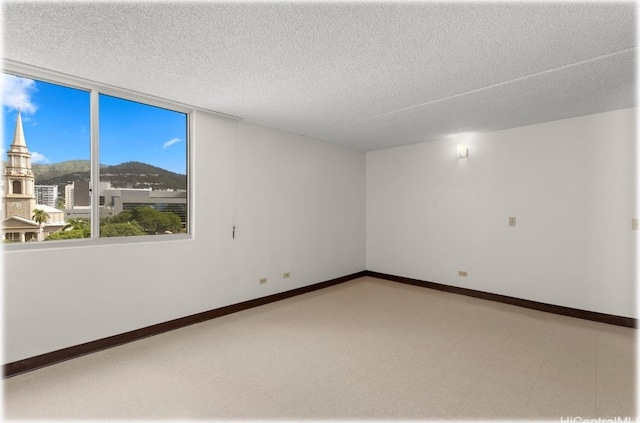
{"type": "Point", "coordinates": [462, 151]}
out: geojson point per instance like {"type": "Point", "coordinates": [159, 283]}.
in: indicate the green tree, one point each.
{"type": "Point", "coordinates": [150, 220]}
{"type": "Point", "coordinates": [75, 228]}
{"type": "Point", "coordinates": [155, 222]}
{"type": "Point", "coordinates": [40, 216]}
{"type": "Point", "coordinates": [121, 229]}
{"type": "Point", "coordinates": [78, 223]}
{"type": "Point", "coordinates": [70, 234]}
{"type": "Point", "coordinates": [122, 217]}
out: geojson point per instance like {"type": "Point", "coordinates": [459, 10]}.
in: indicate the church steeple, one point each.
{"type": "Point", "coordinates": [19, 193]}
{"type": "Point", "coordinates": [18, 136]}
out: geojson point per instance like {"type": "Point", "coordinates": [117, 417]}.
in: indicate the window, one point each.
{"type": "Point", "coordinates": [144, 156]}
{"type": "Point", "coordinates": [140, 163]}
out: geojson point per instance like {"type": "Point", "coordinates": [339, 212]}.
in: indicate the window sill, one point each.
{"type": "Point", "coordinates": [87, 242]}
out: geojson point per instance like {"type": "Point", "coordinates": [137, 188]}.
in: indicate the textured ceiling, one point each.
{"type": "Point", "coordinates": [364, 75]}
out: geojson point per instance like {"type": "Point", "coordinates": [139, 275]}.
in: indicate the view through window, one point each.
{"type": "Point", "coordinates": [47, 187]}
{"type": "Point", "coordinates": [143, 190]}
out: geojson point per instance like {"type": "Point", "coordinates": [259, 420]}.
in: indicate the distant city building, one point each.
{"type": "Point", "coordinates": [84, 212]}
{"type": "Point", "coordinates": [47, 195]}
{"type": "Point", "coordinates": [80, 212]}
{"type": "Point", "coordinates": [19, 196]}
{"type": "Point", "coordinates": [115, 200]}
{"type": "Point", "coordinates": [120, 199]}
{"type": "Point", "coordinates": [77, 194]}
{"type": "Point", "coordinates": [68, 196]}
{"type": "Point", "coordinates": [81, 194]}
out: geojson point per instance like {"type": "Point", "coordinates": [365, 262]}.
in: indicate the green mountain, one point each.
{"type": "Point", "coordinates": [142, 175]}
{"type": "Point", "coordinates": [124, 175]}
{"type": "Point", "coordinates": [53, 170]}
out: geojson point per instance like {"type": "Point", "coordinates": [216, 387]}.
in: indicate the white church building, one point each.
{"type": "Point", "coordinates": [19, 197]}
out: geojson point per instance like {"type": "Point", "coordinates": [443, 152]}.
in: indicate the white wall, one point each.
{"type": "Point", "coordinates": [569, 183]}
{"type": "Point", "coordinates": [298, 204]}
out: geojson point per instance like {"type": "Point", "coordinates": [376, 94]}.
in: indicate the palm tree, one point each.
{"type": "Point", "coordinates": [78, 223]}
{"type": "Point", "coordinates": [40, 216]}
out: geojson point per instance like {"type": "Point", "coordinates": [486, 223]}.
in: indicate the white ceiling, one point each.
{"type": "Point", "coordinates": [364, 75]}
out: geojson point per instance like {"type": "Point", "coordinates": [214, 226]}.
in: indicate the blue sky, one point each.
{"type": "Point", "coordinates": [56, 126]}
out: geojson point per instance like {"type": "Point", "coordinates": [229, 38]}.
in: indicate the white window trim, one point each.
{"type": "Point", "coordinates": [94, 89]}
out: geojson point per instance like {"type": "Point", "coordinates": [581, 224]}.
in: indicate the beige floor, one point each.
{"type": "Point", "coordinates": [364, 349]}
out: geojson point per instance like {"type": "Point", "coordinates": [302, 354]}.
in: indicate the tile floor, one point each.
{"type": "Point", "coordinates": [365, 349]}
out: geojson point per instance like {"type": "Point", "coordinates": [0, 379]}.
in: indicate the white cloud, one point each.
{"type": "Point", "coordinates": [17, 92]}
{"type": "Point", "coordinates": [171, 142]}
{"type": "Point", "coordinates": [39, 158]}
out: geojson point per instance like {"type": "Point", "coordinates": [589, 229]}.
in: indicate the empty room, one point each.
{"type": "Point", "coordinates": [319, 210]}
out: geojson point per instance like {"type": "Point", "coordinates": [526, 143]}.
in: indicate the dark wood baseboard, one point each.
{"type": "Point", "coordinates": [32, 363]}
{"type": "Point", "coordinates": [549, 308]}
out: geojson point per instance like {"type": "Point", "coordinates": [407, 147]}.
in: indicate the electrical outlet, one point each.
{"type": "Point", "coordinates": [462, 273]}
{"type": "Point", "coordinates": [512, 221]}
{"type": "Point", "coordinates": [286, 275]}
{"type": "Point", "coordinates": [634, 224]}
{"type": "Point", "coordinates": [263, 281]}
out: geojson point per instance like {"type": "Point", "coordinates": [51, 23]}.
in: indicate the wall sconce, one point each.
{"type": "Point", "coordinates": [462, 151]}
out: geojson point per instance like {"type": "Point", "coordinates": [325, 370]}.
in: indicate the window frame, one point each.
{"type": "Point", "coordinates": [95, 89]}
